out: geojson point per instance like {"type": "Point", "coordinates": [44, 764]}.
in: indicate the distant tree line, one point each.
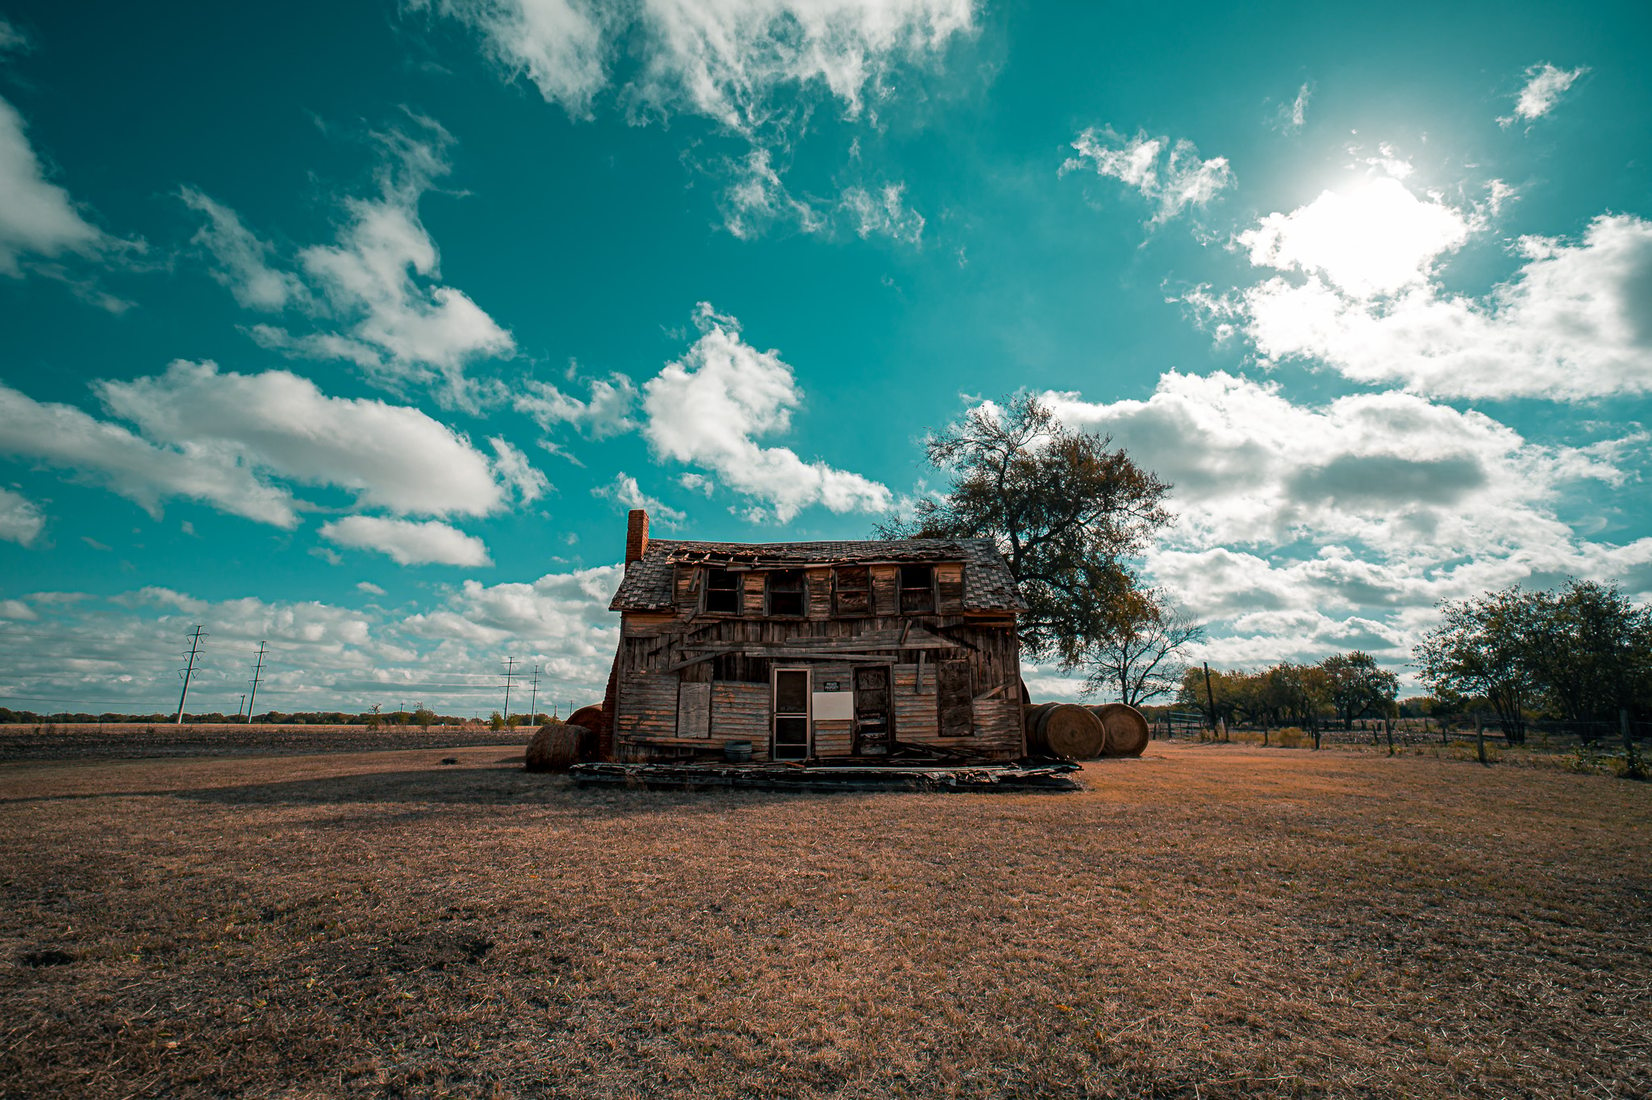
{"type": "Point", "coordinates": [1344, 687]}
{"type": "Point", "coordinates": [420, 716]}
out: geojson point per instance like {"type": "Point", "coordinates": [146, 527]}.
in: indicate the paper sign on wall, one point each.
{"type": "Point", "coordinates": [834, 706]}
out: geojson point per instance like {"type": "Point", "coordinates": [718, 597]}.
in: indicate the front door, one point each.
{"type": "Point", "coordinates": [873, 729]}
{"type": "Point", "coordinates": [790, 739]}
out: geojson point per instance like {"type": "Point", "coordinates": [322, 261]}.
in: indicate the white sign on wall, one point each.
{"type": "Point", "coordinates": [834, 706]}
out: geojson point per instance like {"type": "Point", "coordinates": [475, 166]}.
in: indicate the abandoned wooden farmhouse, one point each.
{"type": "Point", "coordinates": [814, 651]}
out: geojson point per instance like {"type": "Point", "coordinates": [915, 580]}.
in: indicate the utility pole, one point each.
{"type": "Point", "coordinates": [256, 676]}
{"type": "Point", "coordinates": [242, 705]}
{"type": "Point", "coordinates": [1210, 699]}
{"type": "Point", "coordinates": [510, 663]}
{"type": "Point", "coordinates": [533, 707]}
{"type": "Point", "coordinates": [188, 671]}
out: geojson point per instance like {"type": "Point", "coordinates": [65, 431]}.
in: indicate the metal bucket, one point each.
{"type": "Point", "coordinates": [737, 752]}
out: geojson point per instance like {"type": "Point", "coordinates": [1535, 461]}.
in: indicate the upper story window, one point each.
{"type": "Point", "coordinates": [917, 588]}
{"type": "Point", "coordinates": [723, 591]}
{"type": "Point", "coordinates": [851, 590]}
{"type": "Point", "coordinates": [785, 588]}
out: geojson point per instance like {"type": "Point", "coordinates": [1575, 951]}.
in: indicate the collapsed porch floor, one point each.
{"type": "Point", "coordinates": [834, 777]}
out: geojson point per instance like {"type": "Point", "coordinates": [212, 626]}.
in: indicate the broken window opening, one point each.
{"type": "Point", "coordinates": [785, 587]}
{"type": "Point", "coordinates": [917, 588]}
{"type": "Point", "coordinates": [723, 591]}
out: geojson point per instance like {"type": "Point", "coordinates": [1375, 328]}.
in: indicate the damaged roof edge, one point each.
{"type": "Point", "coordinates": [649, 581]}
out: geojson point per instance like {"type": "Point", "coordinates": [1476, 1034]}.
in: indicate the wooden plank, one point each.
{"type": "Point", "coordinates": [694, 709]}
{"type": "Point", "coordinates": [886, 596]}
{"type": "Point", "coordinates": [949, 586]}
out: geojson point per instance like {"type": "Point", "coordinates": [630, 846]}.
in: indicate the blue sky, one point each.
{"type": "Point", "coordinates": [356, 329]}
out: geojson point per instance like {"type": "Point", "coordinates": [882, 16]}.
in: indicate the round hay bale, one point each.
{"type": "Point", "coordinates": [1069, 730]}
{"type": "Point", "coordinates": [555, 747]}
{"type": "Point", "coordinates": [589, 717]}
{"type": "Point", "coordinates": [1126, 729]}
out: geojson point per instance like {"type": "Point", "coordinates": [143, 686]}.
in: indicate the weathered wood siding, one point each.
{"type": "Point", "coordinates": [740, 712]}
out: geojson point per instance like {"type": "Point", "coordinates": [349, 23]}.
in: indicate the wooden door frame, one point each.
{"type": "Point", "coordinates": [889, 689]}
{"type": "Point", "coordinates": [808, 703]}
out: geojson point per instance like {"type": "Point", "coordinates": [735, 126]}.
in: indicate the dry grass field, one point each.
{"type": "Point", "coordinates": [1208, 921]}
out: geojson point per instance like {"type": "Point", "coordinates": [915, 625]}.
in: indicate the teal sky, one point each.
{"type": "Point", "coordinates": [357, 328]}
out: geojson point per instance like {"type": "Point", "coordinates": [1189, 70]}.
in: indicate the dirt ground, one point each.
{"type": "Point", "coordinates": [1208, 921]}
{"type": "Point", "coordinates": [126, 740]}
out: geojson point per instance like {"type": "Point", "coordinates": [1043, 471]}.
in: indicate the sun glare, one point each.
{"type": "Point", "coordinates": [1371, 238]}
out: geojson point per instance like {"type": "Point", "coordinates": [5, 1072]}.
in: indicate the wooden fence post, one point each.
{"type": "Point", "coordinates": [1480, 740]}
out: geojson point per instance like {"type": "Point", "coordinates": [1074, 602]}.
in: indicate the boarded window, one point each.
{"type": "Point", "coordinates": [694, 710]}
{"type": "Point", "coordinates": [954, 697]}
{"type": "Point", "coordinates": [786, 592]}
{"type": "Point", "coordinates": [723, 591]}
{"type": "Point", "coordinates": [851, 590]}
{"type": "Point", "coordinates": [917, 588]}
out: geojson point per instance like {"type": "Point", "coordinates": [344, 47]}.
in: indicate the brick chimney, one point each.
{"type": "Point", "coordinates": [636, 536]}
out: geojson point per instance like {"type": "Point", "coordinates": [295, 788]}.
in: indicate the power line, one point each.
{"type": "Point", "coordinates": [256, 676]}
{"type": "Point", "coordinates": [187, 672]}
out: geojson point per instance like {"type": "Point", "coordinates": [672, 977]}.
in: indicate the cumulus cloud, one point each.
{"type": "Point", "coordinates": [883, 213]}
{"type": "Point", "coordinates": [1393, 472]}
{"type": "Point", "coordinates": [1170, 176]}
{"type": "Point", "coordinates": [20, 520]}
{"type": "Point", "coordinates": [625, 492]}
{"type": "Point", "coordinates": [1305, 529]}
{"type": "Point", "coordinates": [242, 259]}
{"type": "Point", "coordinates": [605, 412]}
{"type": "Point", "coordinates": [1570, 324]}
{"type": "Point", "coordinates": [409, 542]}
{"type": "Point", "coordinates": [229, 440]}
{"type": "Point", "coordinates": [380, 281]}
{"type": "Point", "coordinates": [1544, 86]}
{"type": "Point", "coordinates": [38, 217]}
{"type": "Point", "coordinates": [11, 38]}
{"type": "Point", "coordinates": [709, 408]}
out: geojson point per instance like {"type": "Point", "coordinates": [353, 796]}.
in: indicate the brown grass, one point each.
{"type": "Point", "coordinates": [1208, 921]}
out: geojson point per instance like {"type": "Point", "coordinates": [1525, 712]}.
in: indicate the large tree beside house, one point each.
{"type": "Point", "coordinates": [1065, 508]}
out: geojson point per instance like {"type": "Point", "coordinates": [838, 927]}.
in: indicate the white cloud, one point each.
{"type": "Point", "coordinates": [37, 217]}
{"type": "Point", "coordinates": [106, 453]}
{"type": "Point", "coordinates": [883, 213]}
{"type": "Point", "coordinates": [1373, 239]}
{"type": "Point", "coordinates": [726, 58]}
{"type": "Point", "coordinates": [408, 542]}
{"type": "Point", "coordinates": [756, 199]}
{"type": "Point", "coordinates": [11, 38]}
{"type": "Point", "coordinates": [723, 59]}
{"type": "Point", "coordinates": [606, 412]}
{"type": "Point", "coordinates": [560, 45]}
{"type": "Point", "coordinates": [516, 472]}
{"type": "Point", "coordinates": [625, 492]}
{"type": "Point", "coordinates": [243, 259]}
{"type": "Point", "coordinates": [393, 457]}
{"type": "Point", "coordinates": [709, 407]}
{"type": "Point", "coordinates": [1294, 115]}
{"type": "Point", "coordinates": [380, 281]}
{"type": "Point", "coordinates": [20, 520]}
{"type": "Point", "coordinates": [1171, 176]}
{"type": "Point", "coordinates": [1571, 324]}
{"type": "Point", "coordinates": [1389, 471]}
{"type": "Point", "coordinates": [1545, 84]}
{"type": "Point", "coordinates": [229, 439]}
{"type": "Point", "coordinates": [369, 588]}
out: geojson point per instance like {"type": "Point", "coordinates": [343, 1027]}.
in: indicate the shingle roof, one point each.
{"type": "Point", "coordinates": [648, 583]}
